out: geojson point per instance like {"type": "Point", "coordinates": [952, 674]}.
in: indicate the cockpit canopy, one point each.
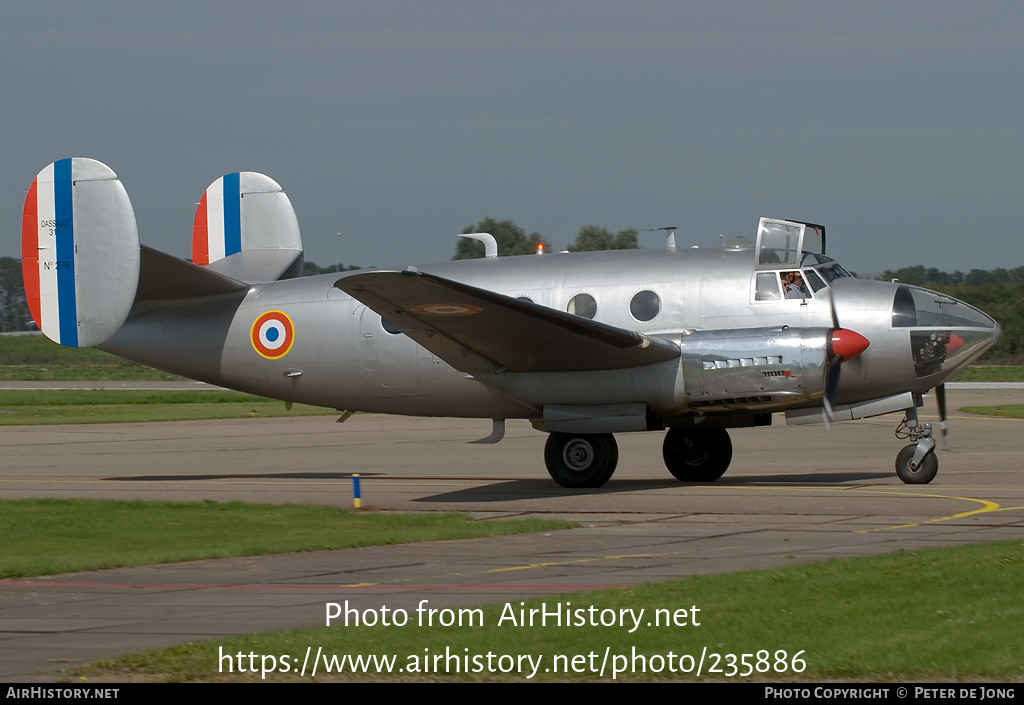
{"type": "Point", "coordinates": [791, 261]}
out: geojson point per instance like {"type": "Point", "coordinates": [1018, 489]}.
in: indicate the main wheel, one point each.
{"type": "Point", "coordinates": [925, 472]}
{"type": "Point", "coordinates": [697, 456]}
{"type": "Point", "coordinates": [581, 459]}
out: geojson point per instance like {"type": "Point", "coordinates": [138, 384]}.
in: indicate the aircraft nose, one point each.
{"type": "Point", "coordinates": [945, 333]}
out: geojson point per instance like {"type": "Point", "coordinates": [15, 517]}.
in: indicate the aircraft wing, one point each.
{"type": "Point", "coordinates": [475, 330]}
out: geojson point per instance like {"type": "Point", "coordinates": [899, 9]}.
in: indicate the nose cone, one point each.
{"type": "Point", "coordinates": [847, 344]}
{"type": "Point", "coordinates": [945, 334]}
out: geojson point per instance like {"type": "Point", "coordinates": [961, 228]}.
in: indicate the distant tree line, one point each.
{"type": "Point", "coordinates": [998, 292]}
{"type": "Point", "coordinates": [311, 268]}
{"type": "Point", "coordinates": [513, 240]}
{"type": "Point", "coordinates": [14, 315]}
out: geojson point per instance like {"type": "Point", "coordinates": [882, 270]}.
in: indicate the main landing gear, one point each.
{"type": "Point", "coordinates": [916, 464]}
{"type": "Point", "coordinates": [580, 460]}
{"type": "Point", "coordinates": [697, 456]}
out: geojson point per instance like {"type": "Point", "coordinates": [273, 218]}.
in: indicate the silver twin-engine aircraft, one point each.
{"type": "Point", "coordinates": [583, 345]}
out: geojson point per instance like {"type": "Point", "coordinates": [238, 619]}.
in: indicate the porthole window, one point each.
{"type": "Point", "coordinates": [645, 305]}
{"type": "Point", "coordinates": [527, 299]}
{"type": "Point", "coordinates": [389, 326]}
{"type": "Point", "coordinates": [582, 305]}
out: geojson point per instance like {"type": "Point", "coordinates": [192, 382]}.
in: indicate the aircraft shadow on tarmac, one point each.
{"type": "Point", "coordinates": [243, 476]}
{"type": "Point", "coordinates": [512, 490]}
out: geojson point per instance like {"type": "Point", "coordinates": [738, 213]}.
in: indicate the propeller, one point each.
{"type": "Point", "coordinates": [940, 399]}
{"type": "Point", "coordinates": [843, 345]}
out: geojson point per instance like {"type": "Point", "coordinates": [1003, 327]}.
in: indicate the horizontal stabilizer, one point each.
{"type": "Point", "coordinates": [80, 252]}
{"type": "Point", "coordinates": [476, 331]}
{"type": "Point", "coordinates": [245, 227]}
{"type": "Point", "coordinates": [165, 277]}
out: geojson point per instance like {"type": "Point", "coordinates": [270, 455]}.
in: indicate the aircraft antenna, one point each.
{"type": "Point", "coordinates": [490, 244]}
{"type": "Point", "coordinates": [670, 236]}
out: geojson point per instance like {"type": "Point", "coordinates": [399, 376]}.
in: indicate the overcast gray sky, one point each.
{"type": "Point", "coordinates": [398, 123]}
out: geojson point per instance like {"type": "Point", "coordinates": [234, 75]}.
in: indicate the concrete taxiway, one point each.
{"type": "Point", "coordinates": [792, 494]}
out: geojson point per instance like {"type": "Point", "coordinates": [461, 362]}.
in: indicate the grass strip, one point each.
{"type": "Point", "coordinates": [1015, 411]}
{"type": "Point", "coordinates": [932, 615]}
{"type": "Point", "coordinates": [990, 373]}
{"type": "Point", "coordinates": [52, 536]}
{"type": "Point", "coordinates": [74, 406]}
{"type": "Point", "coordinates": [35, 357]}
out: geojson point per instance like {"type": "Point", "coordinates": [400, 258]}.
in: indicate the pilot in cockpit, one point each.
{"type": "Point", "coordinates": [793, 285]}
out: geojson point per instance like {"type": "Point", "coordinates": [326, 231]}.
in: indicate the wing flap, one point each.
{"type": "Point", "coordinates": [475, 330]}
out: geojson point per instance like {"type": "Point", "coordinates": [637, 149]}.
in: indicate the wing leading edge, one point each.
{"type": "Point", "coordinates": [478, 331]}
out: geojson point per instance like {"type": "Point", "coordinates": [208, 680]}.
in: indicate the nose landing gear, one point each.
{"type": "Point", "coordinates": [916, 464]}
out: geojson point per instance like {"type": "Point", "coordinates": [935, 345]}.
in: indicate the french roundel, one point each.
{"type": "Point", "coordinates": [273, 334]}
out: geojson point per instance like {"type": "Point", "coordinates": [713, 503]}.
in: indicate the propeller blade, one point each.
{"type": "Point", "coordinates": [844, 345]}
{"type": "Point", "coordinates": [940, 398]}
{"type": "Point", "coordinates": [832, 306]}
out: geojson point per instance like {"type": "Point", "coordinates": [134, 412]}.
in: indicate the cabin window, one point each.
{"type": "Point", "coordinates": [527, 299]}
{"type": "Point", "coordinates": [389, 326]}
{"type": "Point", "coordinates": [767, 287]}
{"type": "Point", "coordinates": [582, 305]}
{"type": "Point", "coordinates": [645, 305]}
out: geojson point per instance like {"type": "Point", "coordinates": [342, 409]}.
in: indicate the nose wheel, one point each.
{"type": "Point", "coordinates": [916, 473]}
{"type": "Point", "coordinates": [916, 464]}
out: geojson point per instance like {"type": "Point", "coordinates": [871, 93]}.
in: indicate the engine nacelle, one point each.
{"type": "Point", "coordinates": [754, 368]}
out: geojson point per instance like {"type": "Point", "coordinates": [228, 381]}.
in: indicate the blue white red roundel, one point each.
{"type": "Point", "coordinates": [273, 334]}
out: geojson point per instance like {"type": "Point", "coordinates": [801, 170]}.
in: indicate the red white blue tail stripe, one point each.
{"type": "Point", "coordinates": [241, 212]}
{"type": "Point", "coordinates": [79, 252]}
{"type": "Point", "coordinates": [217, 230]}
{"type": "Point", "coordinates": [48, 253]}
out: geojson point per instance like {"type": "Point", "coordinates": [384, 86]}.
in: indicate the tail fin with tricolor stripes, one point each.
{"type": "Point", "coordinates": [245, 227]}
{"type": "Point", "coordinates": [80, 252]}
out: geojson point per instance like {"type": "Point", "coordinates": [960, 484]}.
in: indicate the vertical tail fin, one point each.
{"type": "Point", "coordinates": [245, 227]}
{"type": "Point", "coordinates": [80, 252]}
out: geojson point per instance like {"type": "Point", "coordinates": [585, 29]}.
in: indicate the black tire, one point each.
{"type": "Point", "coordinates": [581, 459]}
{"type": "Point", "coordinates": [697, 456]}
{"type": "Point", "coordinates": [925, 472]}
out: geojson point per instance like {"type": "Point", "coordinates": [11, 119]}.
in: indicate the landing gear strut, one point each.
{"type": "Point", "coordinates": [916, 464]}
{"type": "Point", "coordinates": [697, 456]}
{"type": "Point", "coordinates": [581, 459]}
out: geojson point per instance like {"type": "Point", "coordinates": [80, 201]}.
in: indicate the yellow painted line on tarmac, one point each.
{"type": "Point", "coordinates": [540, 565]}
{"type": "Point", "coordinates": [578, 560]}
{"type": "Point", "coordinates": [987, 507]}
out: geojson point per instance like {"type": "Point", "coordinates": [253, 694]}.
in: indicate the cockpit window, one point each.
{"type": "Point", "coordinates": [793, 286]}
{"type": "Point", "coordinates": [914, 307]}
{"type": "Point", "coordinates": [767, 287]}
{"type": "Point", "coordinates": [813, 280]}
{"type": "Point", "coordinates": [832, 272]}
{"type": "Point", "coordinates": [779, 242]}
{"type": "Point", "coordinates": [812, 259]}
